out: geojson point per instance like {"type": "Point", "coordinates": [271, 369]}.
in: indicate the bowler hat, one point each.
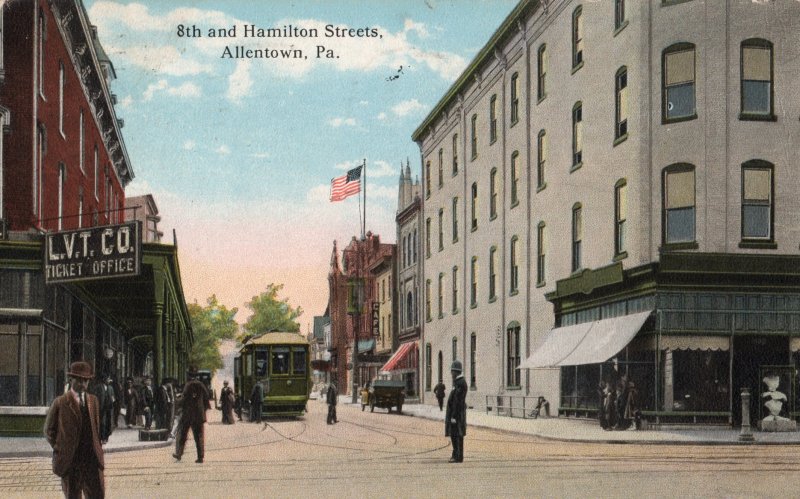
{"type": "Point", "coordinates": [80, 369]}
{"type": "Point", "coordinates": [456, 366]}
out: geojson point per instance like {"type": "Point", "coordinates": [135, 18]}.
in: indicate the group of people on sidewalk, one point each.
{"type": "Point", "coordinates": [619, 405]}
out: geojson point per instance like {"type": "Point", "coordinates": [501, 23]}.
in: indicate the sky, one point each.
{"type": "Point", "coordinates": [239, 153]}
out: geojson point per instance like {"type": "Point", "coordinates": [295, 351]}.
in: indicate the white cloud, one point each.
{"type": "Point", "coordinates": [186, 90]}
{"type": "Point", "coordinates": [163, 59]}
{"type": "Point", "coordinates": [419, 28]}
{"type": "Point", "coordinates": [407, 107]}
{"type": "Point", "coordinates": [380, 168]}
{"type": "Point", "coordinates": [189, 145]}
{"type": "Point", "coordinates": [223, 149]}
{"type": "Point", "coordinates": [239, 82]}
{"type": "Point", "coordinates": [337, 122]}
{"type": "Point", "coordinates": [260, 155]}
{"type": "Point", "coordinates": [382, 116]}
{"type": "Point", "coordinates": [363, 102]}
{"type": "Point", "coordinates": [347, 165]}
{"type": "Point", "coordinates": [125, 102]}
{"type": "Point", "coordinates": [318, 194]}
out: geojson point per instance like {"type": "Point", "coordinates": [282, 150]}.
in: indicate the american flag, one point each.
{"type": "Point", "coordinates": [346, 185]}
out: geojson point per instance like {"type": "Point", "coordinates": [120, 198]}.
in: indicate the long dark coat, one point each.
{"type": "Point", "coordinates": [61, 428]}
{"type": "Point", "coordinates": [195, 401]}
{"type": "Point", "coordinates": [456, 408]}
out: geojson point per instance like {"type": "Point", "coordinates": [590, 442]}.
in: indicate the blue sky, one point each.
{"type": "Point", "coordinates": [239, 153]}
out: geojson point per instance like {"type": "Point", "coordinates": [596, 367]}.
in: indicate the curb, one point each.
{"type": "Point", "coordinates": [111, 450]}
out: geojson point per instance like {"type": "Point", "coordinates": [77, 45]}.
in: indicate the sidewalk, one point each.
{"type": "Point", "coordinates": [123, 439]}
{"type": "Point", "coordinates": [579, 430]}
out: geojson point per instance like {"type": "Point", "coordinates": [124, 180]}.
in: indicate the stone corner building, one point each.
{"type": "Point", "coordinates": [610, 188]}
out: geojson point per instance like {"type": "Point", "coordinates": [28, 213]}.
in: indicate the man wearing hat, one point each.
{"type": "Point", "coordinates": [455, 419]}
{"type": "Point", "coordinates": [195, 402]}
{"type": "Point", "coordinates": [72, 428]}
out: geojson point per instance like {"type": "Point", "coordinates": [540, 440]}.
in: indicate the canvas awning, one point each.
{"type": "Point", "coordinates": [586, 343]}
{"type": "Point", "coordinates": [404, 358]}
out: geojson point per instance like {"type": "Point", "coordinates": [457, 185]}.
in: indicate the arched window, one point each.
{"type": "Point", "coordinates": [541, 71]}
{"type": "Point", "coordinates": [758, 190]}
{"type": "Point", "coordinates": [679, 203]}
{"type": "Point", "coordinates": [678, 82]}
{"type": "Point", "coordinates": [577, 235]}
{"type": "Point", "coordinates": [577, 37]}
{"type": "Point", "coordinates": [757, 76]}
{"type": "Point", "coordinates": [621, 103]}
{"type": "Point", "coordinates": [620, 215]}
{"type": "Point", "coordinates": [577, 134]}
{"type": "Point", "coordinates": [513, 349]}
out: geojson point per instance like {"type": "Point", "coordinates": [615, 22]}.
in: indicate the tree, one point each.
{"type": "Point", "coordinates": [270, 313]}
{"type": "Point", "coordinates": [210, 324]}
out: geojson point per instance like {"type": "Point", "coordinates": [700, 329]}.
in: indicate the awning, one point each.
{"type": "Point", "coordinates": [365, 345]}
{"type": "Point", "coordinates": [404, 358]}
{"type": "Point", "coordinates": [558, 343]}
{"type": "Point", "coordinates": [587, 343]}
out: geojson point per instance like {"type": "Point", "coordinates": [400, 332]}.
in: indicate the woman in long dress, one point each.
{"type": "Point", "coordinates": [226, 399]}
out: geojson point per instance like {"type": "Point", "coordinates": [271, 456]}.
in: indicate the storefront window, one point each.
{"type": "Point", "coordinates": [9, 364]}
{"type": "Point", "coordinates": [34, 365]}
{"type": "Point", "coordinates": [700, 380]}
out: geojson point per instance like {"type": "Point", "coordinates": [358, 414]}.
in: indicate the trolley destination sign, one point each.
{"type": "Point", "coordinates": [93, 253]}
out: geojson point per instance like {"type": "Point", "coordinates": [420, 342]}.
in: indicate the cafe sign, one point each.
{"type": "Point", "coordinates": [93, 253]}
{"type": "Point", "coordinates": [376, 310]}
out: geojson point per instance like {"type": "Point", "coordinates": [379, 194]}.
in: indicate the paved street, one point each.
{"type": "Point", "coordinates": [388, 455]}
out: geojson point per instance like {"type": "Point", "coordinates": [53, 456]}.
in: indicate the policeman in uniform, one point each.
{"type": "Point", "coordinates": [455, 425]}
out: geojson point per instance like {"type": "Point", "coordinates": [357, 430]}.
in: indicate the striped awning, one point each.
{"type": "Point", "coordinates": [404, 358]}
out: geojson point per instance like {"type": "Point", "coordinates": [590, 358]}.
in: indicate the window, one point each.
{"type": "Point", "coordinates": [493, 193]}
{"type": "Point", "coordinates": [299, 363]}
{"type": "Point", "coordinates": [440, 296]}
{"type": "Point", "coordinates": [441, 157]}
{"type": "Point", "coordinates": [61, 97]}
{"type": "Point", "coordinates": [577, 38]}
{"type": "Point", "coordinates": [441, 234]}
{"type": "Point", "coordinates": [679, 203]}
{"type": "Point", "coordinates": [514, 98]}
{"type": "Point", "coordinates": [62, 180]}
{"type": "Point", "coordinates": [96, 173]}
{"type": "Point", "coordinates": [428, 367]}
{"type": "Point", "coordinates": [474, 208]}
{"type": "Point", "coordinates": [262, 361]}
{"type": "Point", "coordinates": [577, 236]}
{"type": "Point", "coordinates": [455, 348]}
{"type": "Point", "coordinates": [428, 237]}
{"type": "Point", "coordinates": [541, 159]}
{"type": "Point", "coordinates": [413, 250]}
{"type": "Point", "coordinates": [428, 300]}
{"type": "Point", "coordinates": [621, 103]}
{"type": "Point", "coordinates": [756, 79]}
{"type": "Point", "coordinates": [428, 179]}
{"type": "Point", "coordinates": [514, 179]}
{"type": "Point", "coordinates": [455, 290]}
{"type": "Point", "coordinates": [620, 216]}
{"type": "Point", "coordinates": [474, 139]}
{"type": "Point", "coordinates": [619, 13]}
{"type": "Point", "coordinates": [280, 360]}
{"type": "Point", "coordinates": [441, 361]}
{"type": "Point", "coordinates": [514, 266]}
{"type": "Point", "coordinates": [81, 134]}
{"type": "Point", "coordinates": [80, 207]}
{"type": "Point", "coordinates": [577, 135]}
{"type": "Point", "coordinates": [410, 317]}
{"type": "Point", "coordinates": [473, 346]}
{"type": "Point", "coordinates": [757, 206]}
{"type": "Point", "coordinates": [540, 253]}
{"type": "Point", "coordinates": [492, 273]}
{"type": "Point", "coordinates": [513, 355]}
{"type": "Point", "coordinates": [541, 72]}
{"type": "Point", "coordinates": [473, 282]}
{"type": "Point", "coordinates": [678, 80]}
{"type": "Point", "coordinates": [40, 53]}
{"type": "Point", "coordinates": [455, 219]}
{"type": "Point", "coordinates": [493, 119]}
{"type": "Point", "coordinates": [38, 168]}
{"type": "Point", "coordinates": [455, 154]}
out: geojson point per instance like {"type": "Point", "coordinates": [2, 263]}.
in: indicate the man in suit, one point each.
{"type": "Point", "coordinates": [131, 403]}
{"type": "Point", "coordinates": [256, 401]}
{"type": "Point", "coordinates": [148, 403]}
{"type": "Point", "coordinates": [107, 415]}
{"type": "Point", "coordinates": [455, 420]}
{"type": "Point", "coordinates": [194, 404]}
{"type": "Point", "coordinates": [331, 399]}
{"type": "Point", "coordinates": [72, 429]}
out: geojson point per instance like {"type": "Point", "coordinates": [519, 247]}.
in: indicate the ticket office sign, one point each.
{"type": "Point", "coordinates": [93, 253]}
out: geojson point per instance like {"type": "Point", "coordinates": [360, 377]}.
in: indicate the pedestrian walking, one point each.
{"type": "Point", "coordinates": [162, 409]}
{"type": "Point", "coordinates": [256, 400]}
{"type": "Point", "coordinates": [72, 429]}
{"type": "Point", "coordinates": [331, 398]}
{"type": "Point", "coordinates": [97, 387]}
{"type": "Point", "coordinates": [439, 390]}
{"type": "Point", "coordinates": [148, 403]}
{"type": "Point", "coordinates": [120, 400]}
{"type": "Point", "coordinates": [195, 402]}
{"type": "Point", "coordinates": [455, 425]}
{"type": "Point", "coordinates": [131, 397]}
{"type": "Point", "coordinates": [226, 401]}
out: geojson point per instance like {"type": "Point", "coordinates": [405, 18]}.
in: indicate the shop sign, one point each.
{"type": "Point", "coordinates": [376, 308]}
{"type": "Point", "coordinates": [93, 253]}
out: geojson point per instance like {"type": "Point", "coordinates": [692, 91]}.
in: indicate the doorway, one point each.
{"type": "Point", "coordinates": [749, 354]}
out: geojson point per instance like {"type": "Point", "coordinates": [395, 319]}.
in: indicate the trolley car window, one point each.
{"type": "Point", "coordinates": [280, 360]}
{"type": "Point", "coordinates": [298, 361]}
{"type": "Point", "coordinates": [262, 358]}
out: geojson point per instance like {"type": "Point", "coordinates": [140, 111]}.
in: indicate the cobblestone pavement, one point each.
{"type": "Point", "coordinates": [389, 455]}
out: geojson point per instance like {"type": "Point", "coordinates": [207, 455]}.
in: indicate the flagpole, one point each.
{"type": "Point", "coordinates": [364, 223]}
